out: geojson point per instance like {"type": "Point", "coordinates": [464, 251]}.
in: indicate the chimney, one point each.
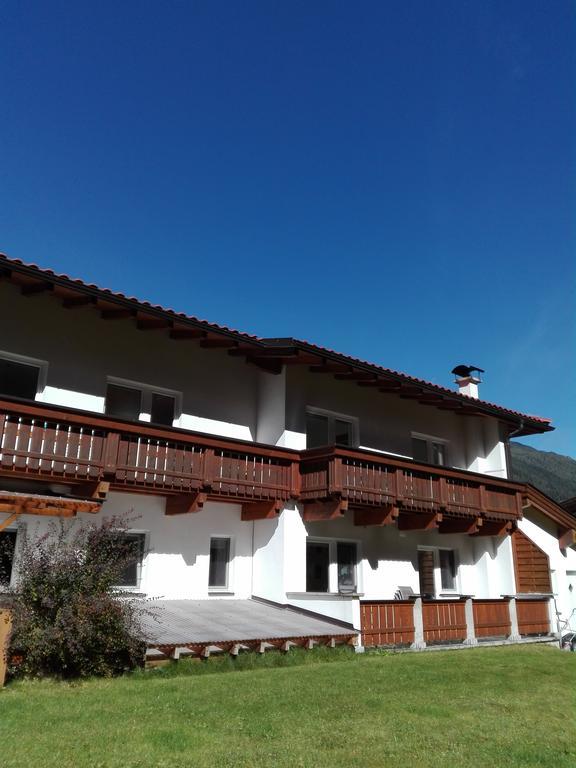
{"type": "Point", "coordinates": [467, 379]}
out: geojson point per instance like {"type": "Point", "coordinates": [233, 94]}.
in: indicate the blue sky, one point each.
{"type": "Point", "coordinates": [395, 180]}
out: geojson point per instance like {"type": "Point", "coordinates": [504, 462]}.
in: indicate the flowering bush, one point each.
{"type": "Point", "coordinates": [68, 620]}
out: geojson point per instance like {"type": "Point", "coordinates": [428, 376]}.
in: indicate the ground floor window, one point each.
{"type": "Point", "coordinates": [331, 566]}
{"type": "Point", "coordinates": [437, 571]}
{"type": "Point", "coordinates": [135, 544]}
{"type": "Point", "coordinates": [218, 575]}
{"type": "Point", "coordinates": [7, 550]}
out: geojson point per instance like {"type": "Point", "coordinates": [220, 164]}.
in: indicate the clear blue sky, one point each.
{"type": "Point", "coordinates": [393, 179]}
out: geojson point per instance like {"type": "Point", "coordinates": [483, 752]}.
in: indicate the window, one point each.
{"type": "Point", "coordinates": [219, 563]}
{"type": "Point", "coordinates": [7, 550]}
{"type": "Point", "coordinates": [135, 546]}
{"type": "Point", "coordinates": [123, 402]}
{"type": "Point", "coordinates": [437, 571]}
{"type": "Point", "coordinates": [132, 401]}
{"type": "Point", "coordinates": [331, 566]}
{"type": "Point", "coordinates": [18, 379]}
{"type": "Point", "coordinates": [324, 428]}
{"type": "Point", "coordinates": [429, 450]}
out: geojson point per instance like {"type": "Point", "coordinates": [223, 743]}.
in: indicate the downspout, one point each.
{"type": "Point", "coordinates": [514, 432]}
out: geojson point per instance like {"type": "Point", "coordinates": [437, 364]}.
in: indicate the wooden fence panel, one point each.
{"type": "Point", "coordinates": [387, 622]}
{"type": "Point", "coordinates": [444, 621]}
{"type": "Point", "coordinates": [533, 617]}
{"type": "Point", "coordinates": [491, 618]}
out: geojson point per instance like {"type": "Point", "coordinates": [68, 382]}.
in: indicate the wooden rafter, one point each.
{"type": "Point", "coordinates": [16, 504]}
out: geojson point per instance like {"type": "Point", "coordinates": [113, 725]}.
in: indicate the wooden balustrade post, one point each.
{"type": "Point", "coordinates": [111, 448]}
{"type": "Point", "coordinates": [5, 628]}
{"type": "Point", "coordinates": [470, 627]}
{"type": "Point", "coordinates": [335, 476]}
{"type": "Point", "coordinates": [209, 468]}
{"type": "Point", "coordinates": [295, 480]}
{"type": "Point", "coordinates": [443, 492]}
{"type": "Point", "coordinates": [419, 642]}
{"type": "Point", "coordinates": [514, 636]}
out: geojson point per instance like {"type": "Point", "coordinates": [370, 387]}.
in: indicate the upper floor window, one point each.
{"type": "Point", "coordinates": [140, 402]}
{"type": "Point", "coordinates": [326, 428]}
{"type": "Point", "coordinates": [429, 450]}
{"type": "Point", "coordinates": [20, 376]}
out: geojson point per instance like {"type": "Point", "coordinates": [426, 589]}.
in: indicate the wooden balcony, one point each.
{"type": "Point", "coordinates": [383, 489]}
{"type": "Point", "coordinates": [83, 449]}
{"type": "Point", "coordinates": [86, 449]}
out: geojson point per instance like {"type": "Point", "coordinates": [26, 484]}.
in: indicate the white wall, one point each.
{"type": "Point", "coordinates": [218, 391]}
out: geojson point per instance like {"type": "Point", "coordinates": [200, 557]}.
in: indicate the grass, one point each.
{"type": "Point", "coordinates": [496, 707]}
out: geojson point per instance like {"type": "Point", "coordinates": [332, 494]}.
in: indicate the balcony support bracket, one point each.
{"type": "Point", "coordinates": [386, 515]}
{"type": "Point", "coordinates": [419, 521]}
{"type": "Point", "coordinates": [185, 503]}
{"type": "Point", "coordinates": [265, 510]}
{"type": "Point", "coordinates": [324, 510]}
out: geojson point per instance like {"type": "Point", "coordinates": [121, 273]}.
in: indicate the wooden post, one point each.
{"type": "Point", "coordinates": [470, 628]}
{"type": "Point", "coordinates": [419, 642]}
{"type": "Point", "coordinates": [5, 627]}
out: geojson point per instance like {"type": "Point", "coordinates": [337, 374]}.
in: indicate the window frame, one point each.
{"type": "Point", "coordinates": [146, 392]}
{"type": "Point", "coordinates": [332, 417]}
{"type": "Point", "coordinates": [430, 440]}
{"type": "Point", "coordinates": [34, 362]}
{"type": "Point", "coordinates": [228, 588]}
{"type": "Point", "coordinates": [141, 565]}
{"type": "Point", "coordinates": [333, 563]}
{"type": "Point", "coordinates": [439, 590]}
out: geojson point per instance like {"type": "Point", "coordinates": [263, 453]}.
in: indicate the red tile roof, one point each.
{"type": "Point", "coordinates": [538, 423]}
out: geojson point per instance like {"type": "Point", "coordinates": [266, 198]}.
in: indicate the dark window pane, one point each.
{"type": "Point", "coordinates": [219, 559]}
{"type": "Point", "coordinates": [426, 573]}
{"type": "Point", "coordinates": [447, 569]}
{"type": "Point", "coordinates": [162, 411]}
{"type": "Point", "coordinates": [123, 402]}
{"type": "Point", "coordinates": [419, 450]}
{"type": "Point", "coordinates": [346, 556]}
{"type": "Point", "coordinates": [317, 430]}
{"type": "Point", "coordinates": [439, 454]}
{"type": "Point", "coordinates": [7, 547]}
{"type": "Point", "coordinates": [134, 549]}
{"type": "Point", "coordinates": [317, 565]}
{"type": "Point", "coordinates": [343, 433]}
{"type": "Point", "coordinates": [18, 379]}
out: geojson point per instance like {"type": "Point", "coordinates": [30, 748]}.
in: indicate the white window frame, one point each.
{"type": "Point", "coordinates": [228, 589]}
{"type": "Point", "coordinates": [146, 392]}
{"type": "Point", "coordinates": [333, 562]}
{"type": "Point", "coordinates": [332, 416]}
{"type": "Point", "coordinates": [42, 366]}
{"type": "Point", "coordinates": [141, 566]}
{"type": "Point", "coordinates": [439, 590]}
{"type": "Point", "coordinates": [429, 439]}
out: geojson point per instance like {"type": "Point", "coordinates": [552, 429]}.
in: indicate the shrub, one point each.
{"type": "Point", "coordinates": [68, 619]}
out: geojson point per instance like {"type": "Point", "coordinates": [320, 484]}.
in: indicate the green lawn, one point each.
{"type": "Point", "coordinates": [489, 707]}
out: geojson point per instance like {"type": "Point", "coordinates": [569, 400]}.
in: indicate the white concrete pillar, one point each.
{"type": "Point", "coordinates": [514, 636]}
{"type": "Point", "coordinates": [419, 642]}
{"type": "Point", "coordinates": [470, 628]}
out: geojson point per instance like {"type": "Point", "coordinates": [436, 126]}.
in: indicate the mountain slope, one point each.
{"type": "Point", "coordinates": [552, 473]}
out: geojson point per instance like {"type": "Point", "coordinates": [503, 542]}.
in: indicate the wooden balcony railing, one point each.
{"type": "Point", "coordinates": [393, 622]}
{"type": "Point", "coordinates": [56, 443]}
{"type": "Point", "coordinates": [51, 443]}
{"type": "Point", "coordinates": [365, 479]}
